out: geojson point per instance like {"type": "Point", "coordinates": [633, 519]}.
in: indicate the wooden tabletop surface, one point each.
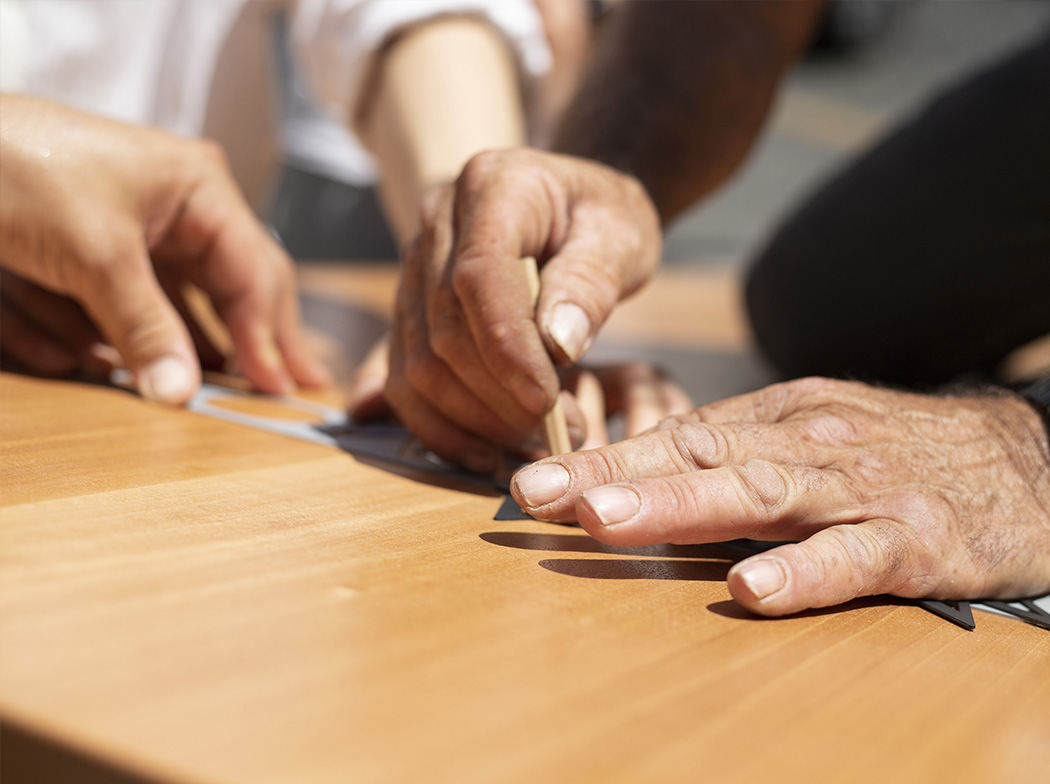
{"type": "Point", "coordinates": [188, 600]}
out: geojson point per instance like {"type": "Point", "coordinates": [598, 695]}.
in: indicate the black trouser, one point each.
{"type": "Point", "coordinates": [929, 257]}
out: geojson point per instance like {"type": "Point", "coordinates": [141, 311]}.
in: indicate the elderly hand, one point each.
{"type": "Point", "coordinates": [471, 369]}
{"type": "Point", "coordinates": [118, 218]}
{"type": "Point", "coordinates": [641, 393]}
{"type": "Point", "coordinates": [884, 492]}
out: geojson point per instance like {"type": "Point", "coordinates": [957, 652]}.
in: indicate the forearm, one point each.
{"type": "Point", "coordinates": [677, 91]}
{"type": "Point", "coordinates": [442, 92]}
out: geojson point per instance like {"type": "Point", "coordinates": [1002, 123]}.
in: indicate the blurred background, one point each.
{"type": "Point", "coordinates": [874, 62]}
{"type": "Point", "coordinates": [880, 60]}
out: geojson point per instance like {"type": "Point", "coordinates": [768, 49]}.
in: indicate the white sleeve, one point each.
{"type": "Point", "coordinates": [334, 40]}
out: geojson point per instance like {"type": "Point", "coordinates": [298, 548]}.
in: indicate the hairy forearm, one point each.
{"type": "Point", "coordinates": [442, 92]}
{"type": "Point", "coordinates": [677, 91]}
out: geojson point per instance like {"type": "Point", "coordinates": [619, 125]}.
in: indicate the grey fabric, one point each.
{"type": "Point", "coordinates": [319, 219]}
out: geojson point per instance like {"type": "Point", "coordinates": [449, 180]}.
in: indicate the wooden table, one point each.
{"type": "Point", "coordinates": [187, 600]}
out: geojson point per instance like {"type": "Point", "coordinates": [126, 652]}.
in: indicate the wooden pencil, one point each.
{"type": "Point", "coordinates": [555, 427]}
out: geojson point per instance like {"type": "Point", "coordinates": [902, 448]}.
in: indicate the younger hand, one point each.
{"type": "Point", "coordinates": [117, 218]}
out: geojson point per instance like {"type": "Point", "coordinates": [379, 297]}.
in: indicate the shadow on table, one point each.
{"type": "Point", "coordinates": [31, 758]}
{"type": "Point", "coordinates": [727, 608]}
{"type": "Point", "coordinates": [704, 562]}
{"type": "Point", "coordinates": [696, 562]}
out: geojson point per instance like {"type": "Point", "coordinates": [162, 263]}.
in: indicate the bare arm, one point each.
{"type": "Point", "coordinates": [676, 94]}
{"type": "Point", "coordinates": [678, 90]}
{"type": "Point", "coordinates": [441, 92]}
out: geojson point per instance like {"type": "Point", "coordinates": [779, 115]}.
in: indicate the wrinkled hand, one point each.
{"type": "Point", "coordinates": [643, 394]}
{"type": "Point", "coordinates": [883, 491]}
{"type": "Point", "coordinates": [471, 369]}
{"type": "Point", "coordinates": [117, 218]}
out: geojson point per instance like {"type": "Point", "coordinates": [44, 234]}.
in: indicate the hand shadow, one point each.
{"type": "Point", "coordinates": [701, 562]}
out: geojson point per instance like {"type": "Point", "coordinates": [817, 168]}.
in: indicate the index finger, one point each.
{"type": "Point", "coordinates": [550, 488]}
{"type": "Point", "coordinates": [250, 281]}
{"type": "Point", "coordinates": [501, 215]}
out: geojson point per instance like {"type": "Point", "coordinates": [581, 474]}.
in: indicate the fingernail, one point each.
{"type": "Point", "coordinates": [541, 484]}
{"type": "Point", "coordinates": [570, 328]}
{"type": "Point", "coordinates": [612, 505]}
{"type": "Point", "coordinates": [530, 394]}
{"type": "Point", "coordinates": [167, 380]}
{"type": "Point", "coordinates": [763, 578]}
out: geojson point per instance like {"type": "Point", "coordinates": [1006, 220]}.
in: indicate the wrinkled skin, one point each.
{"type": "Point", "coordinates": [102, 224]}
{"type": "Point", "coordinates": [471, 367]}
{"type": "Point", "coordinates": [883, 491]}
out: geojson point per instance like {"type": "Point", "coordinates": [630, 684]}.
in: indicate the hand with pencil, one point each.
{"type": "Point", "coordinates": [474, 357]}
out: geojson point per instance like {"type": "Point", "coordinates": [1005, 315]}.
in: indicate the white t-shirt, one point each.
{"type": "Point", "coordinates": [211, 68]}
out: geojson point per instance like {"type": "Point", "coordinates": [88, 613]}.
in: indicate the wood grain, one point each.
{"type": "Point", "coordinates": [192, 601]}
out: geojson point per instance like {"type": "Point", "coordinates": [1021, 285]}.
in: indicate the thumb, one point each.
{"type": "Point", "coordinates": [831, 567]}
{"type": "Point", "coordinates": [584, 281]}
{"type": "Point", "coordinates": [126, 301]}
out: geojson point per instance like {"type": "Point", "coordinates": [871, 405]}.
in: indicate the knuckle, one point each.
{"type": "Point", "coordinates": [838, 555]}
{"type": "Point", "coordinates": [479, 168]}
{"type": "Point", "coordinates": [764, 486]}
{"type": "Point", "coordinates": [505, 336]}
{"type": "Point", "coordinates": [923, 507]}
{"type": "Point", "coordinates": [770, 403]}
{"type": "Point", "coordinates": [810, 384]}
{"type": "Point", "coordinates": [465, 279]}
{"type": "Point", "coordinates": [880, 550]}
{"type": "Point", "coordinates": [818, 387]}
{"type": "Point", "coordinates": [698, 445]}
{"type": "Point", "coordinates": [876, 557]}
{"type": "Point", "coordinates": [119, 257]}
{"type": "Point", "coordinates": [829, 428]}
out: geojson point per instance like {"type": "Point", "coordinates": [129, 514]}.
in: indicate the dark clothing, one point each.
{"type": "Point", "coordinates": [319, 219]}
{"type": "Point", "coordinates": [929, 257]}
